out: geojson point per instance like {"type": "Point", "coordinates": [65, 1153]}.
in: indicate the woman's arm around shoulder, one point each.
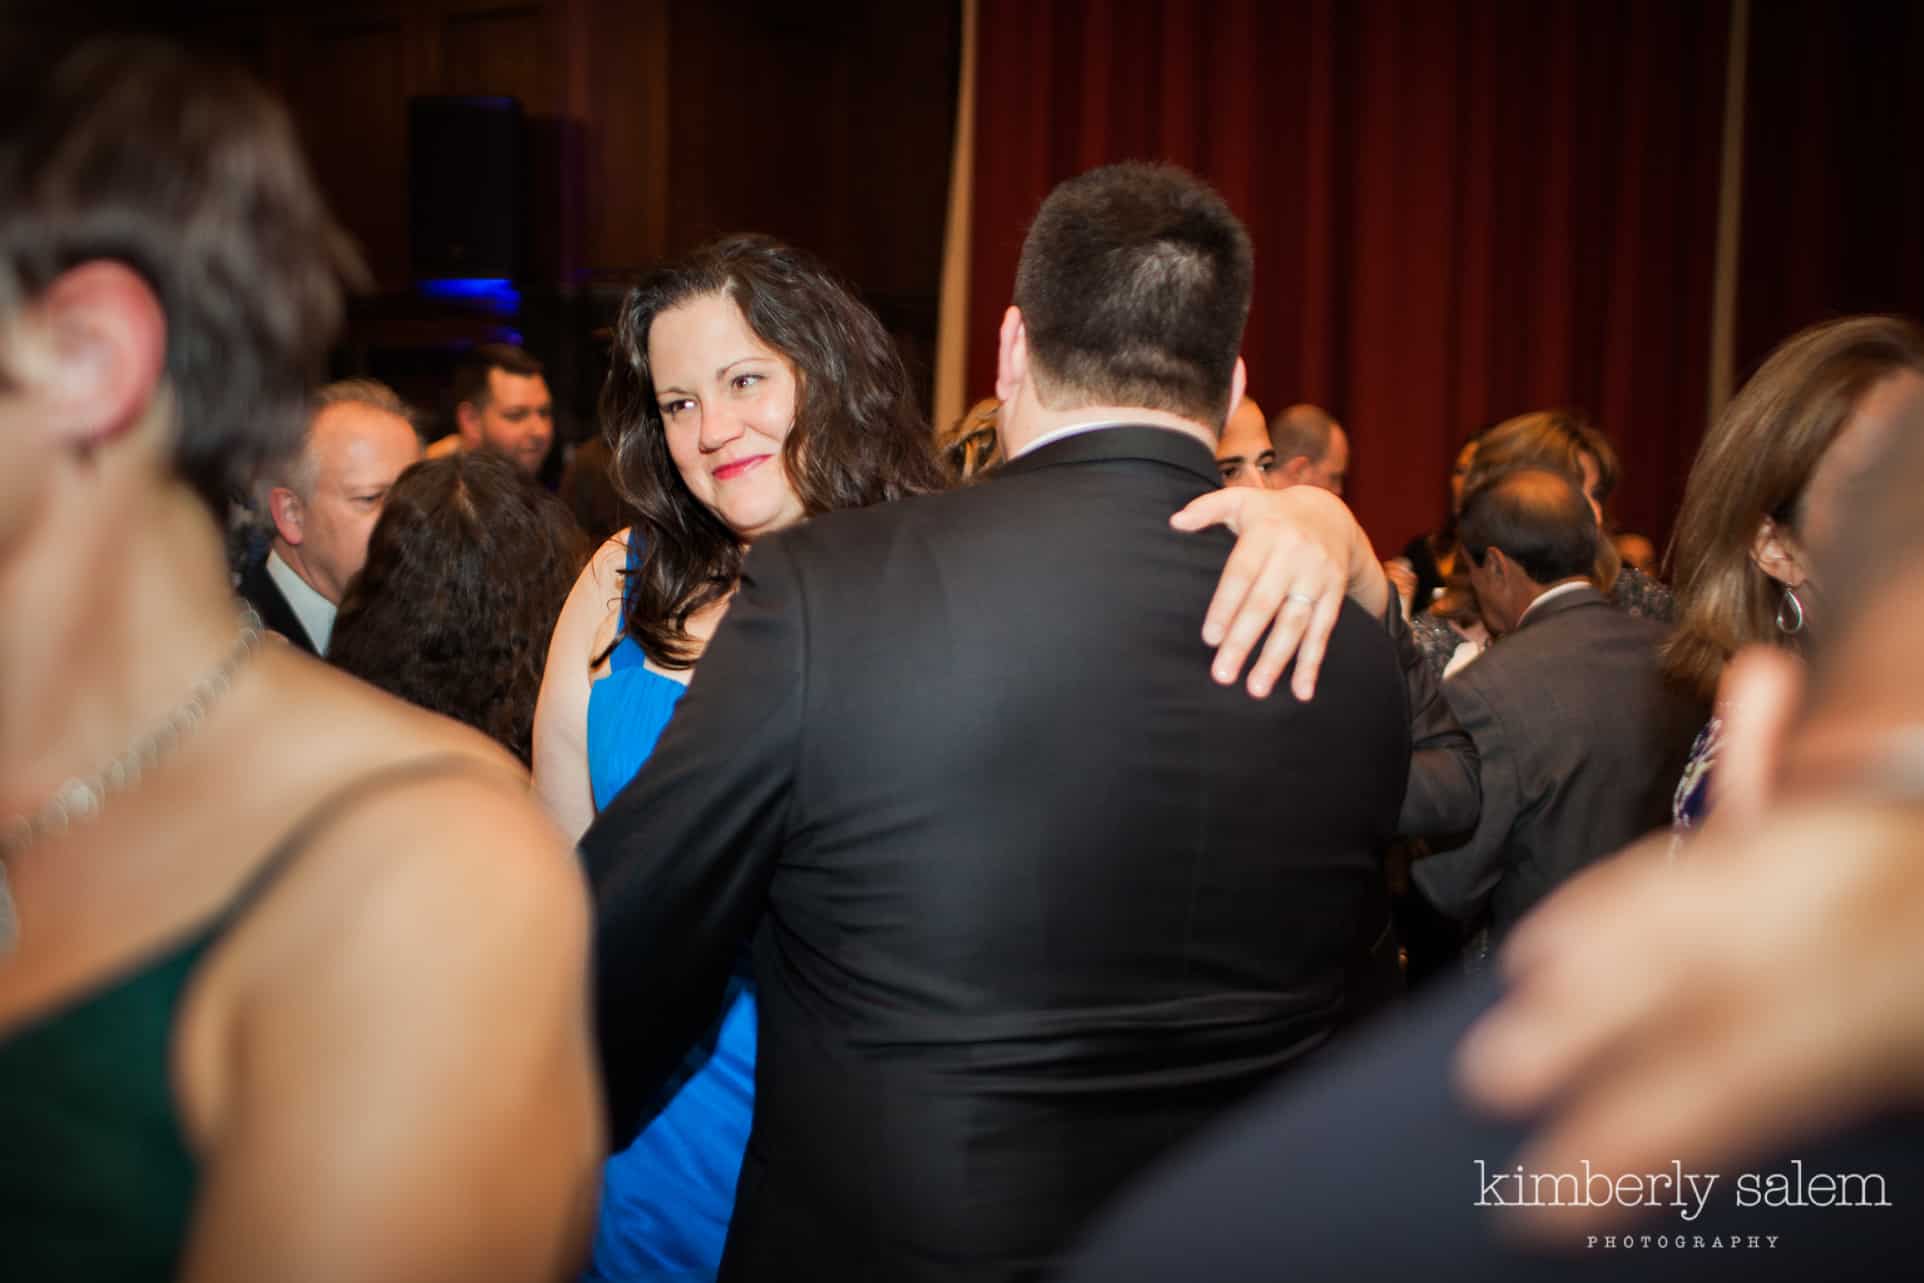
{"type": "Point", "coordinates": [409, 1087]}
{"type": "Point", "coordinates": [589, 621]}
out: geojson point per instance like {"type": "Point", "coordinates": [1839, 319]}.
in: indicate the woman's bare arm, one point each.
{"type": "Point", "coordinates": [588, 622]}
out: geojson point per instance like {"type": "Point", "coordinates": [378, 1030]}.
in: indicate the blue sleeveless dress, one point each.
{"type": "Point", "coordinates": [667, 1198]}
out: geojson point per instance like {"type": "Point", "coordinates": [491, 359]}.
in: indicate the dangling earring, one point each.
{"type": "Point", "coordinates": [1795, 623]}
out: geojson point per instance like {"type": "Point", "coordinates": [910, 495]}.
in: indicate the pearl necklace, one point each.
{"type": "Point", "coordinates": [78, 800]}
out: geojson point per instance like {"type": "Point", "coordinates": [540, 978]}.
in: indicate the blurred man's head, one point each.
{"type": "Point", "coordinates": [1522, 533]}
{"type": "Point", "coordinates": [1244, 456]}
{"type": "Point", "coordinates": [502, 404]}
{"type": "Point", "coordinates": [1311, 449]}
{"type": "Point", "coordinates": [359, 440]}
{"type": "Point", "coordinates": [1131, 292]}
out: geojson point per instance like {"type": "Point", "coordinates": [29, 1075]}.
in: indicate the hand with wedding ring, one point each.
{"type": "Point", "coordinates": [1298, 553]}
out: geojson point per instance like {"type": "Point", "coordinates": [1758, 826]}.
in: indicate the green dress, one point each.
{"type": "Point", "coordinates": [95, 1179]}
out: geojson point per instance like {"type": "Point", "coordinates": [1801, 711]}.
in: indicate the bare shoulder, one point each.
{"type": "Point", "coordinates": [346, 726]}
{"type": "Point", "coordinates": [455, 846]}
{"type": "Point", "coordinates": [592, 614]}
{"type": "Point", "coordinates": [600, 581]}
{"type": "Point", "coordinates": [434, 923]}
{"type": "Point", "coordinates": [427, 808]}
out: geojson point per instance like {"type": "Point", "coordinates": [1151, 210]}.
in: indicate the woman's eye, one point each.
{"type": "Point", "coordinates": [669, 409]}
{"type": "Point", "coordinates": [744, 381]}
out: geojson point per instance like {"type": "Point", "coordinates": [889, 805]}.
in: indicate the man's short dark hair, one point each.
{"type": "Point", "coordinates": [471, 378]}
{"type": "Point", "coordinates": [1134, 285]}
{"type": "Point", "coordinates": [1540, 520]}
{"type": "Point", "coordinates": [186, 171]}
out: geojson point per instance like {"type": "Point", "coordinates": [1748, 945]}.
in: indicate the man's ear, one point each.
{"type": "Point", "coordinates": [1011, 355]}
{"type": "Point", "coordinates": [1778, 554]}
{"type": "Point", "coordinates": [1296, 471]}
{"type": "Point", "coordinates": [289, 514]}
{"type": "Point", "coordinates": [467, 422]}
{"type": "Point", "coordinates": [105, 354]}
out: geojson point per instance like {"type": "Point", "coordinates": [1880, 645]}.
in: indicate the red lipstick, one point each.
{"type": "Point", "coordinates": [736, 467]}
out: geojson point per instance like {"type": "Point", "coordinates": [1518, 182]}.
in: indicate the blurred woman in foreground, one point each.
{"type": "Point", "coordinates": [291, 973]}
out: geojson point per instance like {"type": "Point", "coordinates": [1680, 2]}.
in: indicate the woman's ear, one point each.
{"type": "Point", "coordinates": [105, 353]}
{"type": "Point", "coordinates": [1777, 552]}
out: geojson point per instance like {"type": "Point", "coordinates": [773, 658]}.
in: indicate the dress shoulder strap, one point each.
{"type": "Point", "coordinates": [625, 652]}
{"type": "Point", "coordinates": [332, 807]}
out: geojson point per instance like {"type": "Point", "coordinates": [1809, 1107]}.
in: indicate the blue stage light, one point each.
{"type": "Point", "coordinates": [496, 293]}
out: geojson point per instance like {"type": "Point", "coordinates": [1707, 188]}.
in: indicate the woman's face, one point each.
{"type": "Point", "coordinates": [727, 402]}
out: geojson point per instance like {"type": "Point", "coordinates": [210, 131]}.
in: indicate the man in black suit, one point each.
{"type": "Point", "coordinates": [324, 506]}
{"type": "Point", "coordinates": [1037, 898]}
{"type": "Point", "coordinates": [1580, 735]}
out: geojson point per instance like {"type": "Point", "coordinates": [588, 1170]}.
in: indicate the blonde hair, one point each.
{"type": "Point", "coordinates": [1753, 465]}
{"type": "Point", "coordinates": [971, 445]}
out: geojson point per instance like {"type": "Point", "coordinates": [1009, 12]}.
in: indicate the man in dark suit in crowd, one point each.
{"type": "Point", "coordinates": [1581, 738]}
{"type": "Point", "coordinates": [1037, 897]}
{"type": "Point", "coordinates": [324, 505]}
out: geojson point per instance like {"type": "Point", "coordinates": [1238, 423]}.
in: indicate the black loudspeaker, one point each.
{"type": "Point", "coordinates": [467, 187]}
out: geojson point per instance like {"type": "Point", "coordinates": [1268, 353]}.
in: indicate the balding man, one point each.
{"type": "Point", "coordinates": [324, 504]}
{"type": "Point", "coordinates": [1581, 738]}
{"type": "Point", "coordinates": [1311, 449]}
{"type": "Point", "coordinates": [1244, 456]}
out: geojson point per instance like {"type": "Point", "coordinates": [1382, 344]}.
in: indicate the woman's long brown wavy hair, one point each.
{"type": "Point", "coordinates": [1755, 463]}
{"type": "Point", "coordinates": [858, 438]}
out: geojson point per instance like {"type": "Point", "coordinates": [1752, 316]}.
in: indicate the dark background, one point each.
{"type": "Point", "coordinates": [1462, 209]}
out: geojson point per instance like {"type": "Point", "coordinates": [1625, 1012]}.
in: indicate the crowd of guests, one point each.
{"type": "Point", "coordinates": [838, 849]}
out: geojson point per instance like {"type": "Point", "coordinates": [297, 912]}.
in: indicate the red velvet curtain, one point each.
{"type": "Point", "coordinates": [1833, 213]}
{"type": "Point", "coordinates": [1462, 209]}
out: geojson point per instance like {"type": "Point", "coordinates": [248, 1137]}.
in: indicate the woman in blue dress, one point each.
{"type": "Point", "coordinates": [748, 390]}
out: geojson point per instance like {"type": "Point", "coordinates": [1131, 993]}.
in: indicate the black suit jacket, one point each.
{"type": "Point", "coordinates": [1581, 740]}
{"type": "Point", "coordinates": [1037, 897]}
{"type": "Point", "coordinates": [259, 590]}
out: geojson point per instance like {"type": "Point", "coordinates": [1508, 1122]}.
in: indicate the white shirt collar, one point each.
{"type": "Point", "coordinates": [1077, 429]}
{"type": "Point", "coordinates": [315, 612]}
{"type": "Point", "coordinates": [1561, 590]}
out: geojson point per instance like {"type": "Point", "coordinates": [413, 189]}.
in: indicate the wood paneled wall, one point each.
{"type": "Point", "coordinates": [656, 124]}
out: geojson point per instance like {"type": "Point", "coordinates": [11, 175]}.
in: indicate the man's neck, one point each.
{"type": "Point", "coordinates": [1028, 423]}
